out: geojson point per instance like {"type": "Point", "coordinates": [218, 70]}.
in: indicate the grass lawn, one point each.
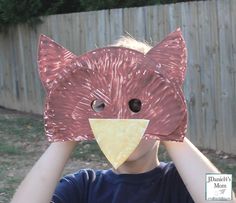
{"type": "Point", "coordinates": [23, 141]}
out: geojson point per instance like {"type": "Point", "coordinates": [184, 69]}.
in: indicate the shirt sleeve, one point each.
{"type": "Point", "coordinates": [179, 192]}
{"type": "Point", "coordinates": [72, 188]}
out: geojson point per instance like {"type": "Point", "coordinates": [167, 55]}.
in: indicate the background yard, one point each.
{"type": "Point", "coordinates": [23, 141]}
{"type": "Point", "coordinates": [209, 30]}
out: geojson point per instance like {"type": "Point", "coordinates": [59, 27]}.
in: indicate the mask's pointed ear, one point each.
{"type": "Point", "coordinates": [171, 56]}
{"type": "Point", "coordinates": [52, 60]}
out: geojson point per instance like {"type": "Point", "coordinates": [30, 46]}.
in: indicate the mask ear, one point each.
{"type": "Point", "coordinates": [171, 57]}
{"type": "Point", "coordinates": [52, 60]}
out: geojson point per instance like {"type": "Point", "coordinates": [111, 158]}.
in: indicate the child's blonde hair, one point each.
{"type": "Point", "coordinates": [131, 43]}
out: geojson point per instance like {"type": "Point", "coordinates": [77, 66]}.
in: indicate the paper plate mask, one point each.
{"type": "Point", "coordinates": [116, 95]}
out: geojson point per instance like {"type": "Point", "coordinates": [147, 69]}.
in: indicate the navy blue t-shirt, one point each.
{"type": "Point", "coordinates": [162, 184]}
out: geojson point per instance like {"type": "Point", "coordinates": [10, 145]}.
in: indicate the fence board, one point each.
{"type": "Point", "coordinates": [233, 43]}
{"type": "Point", "coordinates": [227, 76]}
{"type": "Point", "coordinates": [115, 25]}
{"type": "Point", "coordinates": [209, 29]}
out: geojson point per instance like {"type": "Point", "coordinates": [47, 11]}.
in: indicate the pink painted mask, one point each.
{"type": "Point", "coordinates": [114, 83]}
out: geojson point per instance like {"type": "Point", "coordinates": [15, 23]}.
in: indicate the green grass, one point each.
{"type": "Point", "coordinates": [21, 127]}
{"type": "Point", "coordinates": [89, 151]}
{"type": "Point", "coordinates": [8, 191]}
{"type": "Point", "coordinates": [11, 149]}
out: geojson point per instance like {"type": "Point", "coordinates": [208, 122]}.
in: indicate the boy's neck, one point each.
{"type": "Point", "coordinates": [144, 164]}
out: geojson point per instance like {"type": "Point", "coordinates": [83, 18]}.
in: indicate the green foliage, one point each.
{"type": "Point", "coordinates": [14, 12]}
{"type": "Point", "coordinates": [107, 4]}
{"type": "Point", "coordinates": [88, 5]}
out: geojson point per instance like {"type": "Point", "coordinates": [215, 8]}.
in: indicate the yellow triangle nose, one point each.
{"type": "Point", "coordinates": [118, 138]}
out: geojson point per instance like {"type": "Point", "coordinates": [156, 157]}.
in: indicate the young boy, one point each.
{"type": "Point", "coordinates": [141, 178]}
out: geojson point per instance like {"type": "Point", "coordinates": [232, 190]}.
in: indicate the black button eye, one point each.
{"type": "Point", "coordinates": [135, 105]}
{"type": "Point", "coordinates": [98, 105]}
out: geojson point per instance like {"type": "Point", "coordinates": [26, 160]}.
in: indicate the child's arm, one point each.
{"type": "Point", "coordinates": [40, 183]}
{"type": "Point", "coordinates": [192, 166]}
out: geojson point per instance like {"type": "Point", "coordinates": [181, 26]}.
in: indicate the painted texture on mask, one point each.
{"type": "Point", "coordinates": [114, 75]}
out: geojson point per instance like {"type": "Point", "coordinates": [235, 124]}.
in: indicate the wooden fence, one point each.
{"type": "Point", "coordinates": [209, 28]}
